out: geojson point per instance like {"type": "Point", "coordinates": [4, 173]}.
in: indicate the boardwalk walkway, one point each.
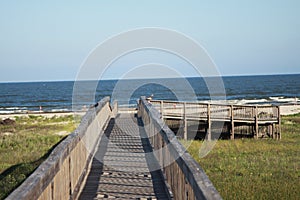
{"type": "Point", "coordinates": [120, 168]}
{"type": "Point", "coordinates": [112, 157]}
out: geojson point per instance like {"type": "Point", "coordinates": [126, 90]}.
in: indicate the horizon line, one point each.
{"type": "Point", "coordinates": [115, 79]}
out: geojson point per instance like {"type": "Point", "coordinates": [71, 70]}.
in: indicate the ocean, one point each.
{"type": "Point", "coordinates": [57, 96]}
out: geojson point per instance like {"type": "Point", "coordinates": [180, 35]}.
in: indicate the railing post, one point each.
{"type": "Point", "coordinates": [185, 134]}
{"type": "Point", "coordinates": [162, 109]}
{"type": "Point", "coordinates": [272, 130]}
{"type": "Point", "coordinates": [279, 123]}
{"type": "Point", "coordinates": [232, 122]}
{"type": "Point", "coordinates": [256, 122]}
{"type": "Point", "coordinates": [208, 123]}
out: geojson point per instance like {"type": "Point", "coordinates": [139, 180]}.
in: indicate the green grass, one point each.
{"type": "Point", "coordinates": [26, 144]}
{"type": "Point", "coordinates": [255, 169]}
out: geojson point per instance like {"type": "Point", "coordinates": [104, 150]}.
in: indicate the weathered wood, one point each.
{"type": "Point", "coordinates": [222, 112]}
{"type": "Point", "coordinates": [256, 123]}
{"type": "Point", "coordinates": [279, 123]}
{"type": "Point", "coordinates": [183, 173]}
{"type": "Point", "coordinates": [208, 137]}
{"type": "Point", "coordinates": [185, 126]}
{"type": "Point", "coordinates": [234, 115]}
{"type": "Point", "coordinates": [59, 175]}
{"type": "Point", "coordinates": [273, 130]}
{"type": "Point", "coordinates": [114, 108]}
{"type": "Point", "coordinates": [232, 122]}
{"type": "Point", "coordinates": [162, 109]}
{"type": "Point", "coordinates": [124, 166]}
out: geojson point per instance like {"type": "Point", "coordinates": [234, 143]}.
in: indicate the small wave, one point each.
{"type": "Point", "coordinates": [12, 111]}
{"type": "Point", "coordinates": [6, 112]}
{"type": "Point", "coordinates": [270, 100]}
{"type": "Point", "coordinates": [253, 101]}
{"type": "Point", "coordinates": [276, 98]}
{"type": "Point", "coordinates": [60, 110]}
{"type": "Point", "coordinates": [14, 108]}
{"type": "Point", "coordinates": [284, 100]}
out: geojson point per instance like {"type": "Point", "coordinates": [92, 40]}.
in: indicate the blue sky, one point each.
{"type": "Point", "coordinates": [49, 40]}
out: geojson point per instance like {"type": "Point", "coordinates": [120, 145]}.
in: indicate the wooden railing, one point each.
{"type": "Point", "coordinates": [61, 175]}
{"type": "Point", "coordinates": [208, 112]}
{"type": "Point", "coordinates": [184, 175]}
{"type": "Point", "coordinates": [195, 110]}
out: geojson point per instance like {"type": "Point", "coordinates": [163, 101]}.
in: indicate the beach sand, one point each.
{"type": "Point", "coordinates": [47, 115]}
{"type": "Point", "coordinates": [289, 109]}
{"type": "Point", "coordinates": [284, 110]}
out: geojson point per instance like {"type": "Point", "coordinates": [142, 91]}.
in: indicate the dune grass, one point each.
{"type": "Point", "coordinates": [26, 144]}
{"type": "Point", "coordinates": [255, 169]}
{"type": "Point", "coordinates": [239, 169]}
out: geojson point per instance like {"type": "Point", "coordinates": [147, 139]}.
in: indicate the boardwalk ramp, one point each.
{"type": "Point", "coordinates": [122, 155]}
{"type": "Point", "coordinates": [120, 168]}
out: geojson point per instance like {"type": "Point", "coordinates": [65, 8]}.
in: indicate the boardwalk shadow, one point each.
{"type": "Point", "coordinates": [160, 187]}
{"type": "Point", "coordinates": [94, 176]}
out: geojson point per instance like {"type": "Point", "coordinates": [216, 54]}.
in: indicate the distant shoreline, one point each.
{"type": "Point", "coordinates": [44, 114]}
{"type": "Point", "coordinates": [274, 101]}
{"type": "Point", "coordinates": [56, 97]}
{"type": "Point", "coordinates": [284, 110]}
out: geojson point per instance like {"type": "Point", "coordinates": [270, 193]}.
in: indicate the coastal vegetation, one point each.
{"type": "Point", "coordinates": [25, 143]}
{"type": "Point", "coordinates": [255, 169]}
{"type": "Point", "coordinates": [239, 169]}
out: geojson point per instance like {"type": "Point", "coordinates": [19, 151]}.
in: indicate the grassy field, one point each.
{"type": "Point", "coordinates": [256, 169]}
{"type": "Point", "coordinates": [27, 143]}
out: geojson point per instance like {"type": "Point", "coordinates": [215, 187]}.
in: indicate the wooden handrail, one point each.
{"type": "Point", "coordinates": [183, 173]}
{"type": "Point", "coordinates": [210, 112]}
{"type": "Point", "coordinates": [61, 174]}
{"type": "Point", "coordinates": [239, 111]}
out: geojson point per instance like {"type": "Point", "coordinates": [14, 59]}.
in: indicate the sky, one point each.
{"type": "Point", "coordinates": [50, 40]}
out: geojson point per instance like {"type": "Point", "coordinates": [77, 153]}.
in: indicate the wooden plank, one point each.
{"type": "Point", "coordinates": [162, 109]}
{"type": "Point", "coordinates": [279, 122]}
{"type": "Point", "coordinates": [185, 126]}
{"type": "Point", "coordinates": [256, 123]}
{"type": "Point", "coordinates": [232, 123]}
{"type": "Point", "coordinates": [123, 167]}
{"type": "Point", "coordinates": [208, 123]}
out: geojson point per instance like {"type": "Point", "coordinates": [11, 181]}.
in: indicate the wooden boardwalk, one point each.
{"type": "Point", "coordinates": [257, 117]}
{"type": "Point", "coordinates": [120, 167]}
{"type": "Point", "coordinates": [118, 157]}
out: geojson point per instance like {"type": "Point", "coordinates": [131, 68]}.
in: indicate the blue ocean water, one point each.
{"type": "Point", "coordinates": [57, 96]}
